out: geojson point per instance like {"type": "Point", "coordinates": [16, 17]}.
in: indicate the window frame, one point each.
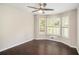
{"type": "Point", "coordinates": [53, 27]}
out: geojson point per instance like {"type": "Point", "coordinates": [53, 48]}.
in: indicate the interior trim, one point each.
{"type": "Point", "coordinates": [57, 41]}
{"type": "Point", "coordinates": [16, 45]}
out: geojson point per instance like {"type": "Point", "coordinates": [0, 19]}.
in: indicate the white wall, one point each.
{"type": "Point", "coordinates": [16, 26]}
{"type": "Point", "coordinates": [78, 30]}
{"type": "Point", "coordinates": [73, 28]}
{"type": "Point", "coordinates": [72, 40]}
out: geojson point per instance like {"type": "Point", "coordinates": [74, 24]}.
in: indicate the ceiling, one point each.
{"type": "Point", "coordinates": [58, 7]}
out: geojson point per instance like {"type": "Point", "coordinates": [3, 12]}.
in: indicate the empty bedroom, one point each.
{"type": "Point", "coordinates": [39, 28]}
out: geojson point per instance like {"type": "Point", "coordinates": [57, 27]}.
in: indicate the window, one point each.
{"type": "Point", "coordinates": [42, 24]}
{"type": "Point", "coordinates": [54, 25]}
{"type": "Point", "coordinates": [65, 26]}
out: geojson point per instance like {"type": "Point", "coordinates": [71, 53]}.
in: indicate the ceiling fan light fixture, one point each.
{"type": "Point", "coordinates": [40, 11]}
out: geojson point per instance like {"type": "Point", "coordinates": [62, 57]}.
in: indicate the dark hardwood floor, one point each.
{"type": "Point", "coordinates": [41, 47]}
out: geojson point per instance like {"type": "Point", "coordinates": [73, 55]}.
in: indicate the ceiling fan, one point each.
{"type": "Point", "coordinates": [42, 8]}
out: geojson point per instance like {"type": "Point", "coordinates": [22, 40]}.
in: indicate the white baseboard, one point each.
{"type": "Point", "coordinates": [38, 39]}
{"type": "Point", "coordinates": [78, 50]}
{"type": "Point", "coordinates": [15, 45]}
{"type": "Point", "coordinates": [57, 41]}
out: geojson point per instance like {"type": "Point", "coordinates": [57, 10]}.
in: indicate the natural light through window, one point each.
{"type": "Point", "coordinates": [42, 24]}
{"type": "Point", "coordinates": [54, 25]}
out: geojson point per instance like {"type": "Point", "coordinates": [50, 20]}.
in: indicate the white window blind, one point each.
{"type": "Point", "coordinates": [54, 25]}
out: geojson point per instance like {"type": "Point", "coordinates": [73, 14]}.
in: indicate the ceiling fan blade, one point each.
{"type": "Point", "coordinates": [35, 10]}
{"type": "Point", "coordinates": [32, 7]}
{"type": "Point", "coordinates": [48, 9]}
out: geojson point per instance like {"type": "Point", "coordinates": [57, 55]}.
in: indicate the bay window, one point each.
{"type": "Point", "coordinates": [54, 25]}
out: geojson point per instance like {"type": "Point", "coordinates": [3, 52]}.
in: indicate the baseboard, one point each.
{"type": "Point", "coordinates": [15, 45]}
{"type": "Point", "coordinates": [38, 39]}
{"type": "Point", "coordinates": [57, 41]}
{"type": "Point", "coordinates": [77, 50]}
{"type": "Point", "coordinates": [65, 43]}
